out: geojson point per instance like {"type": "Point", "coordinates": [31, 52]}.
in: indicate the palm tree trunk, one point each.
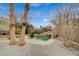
{"type": "Point", "coordinates": [12, 25]}
{"type": "Point", "coordinates": [24, 22]}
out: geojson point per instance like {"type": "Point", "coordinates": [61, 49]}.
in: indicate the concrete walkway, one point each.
{"type": "Point", "coordinates": [35, 48]}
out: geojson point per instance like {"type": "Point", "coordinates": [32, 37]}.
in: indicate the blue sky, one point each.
{"type": "Point", "coordinates": [39, 13]}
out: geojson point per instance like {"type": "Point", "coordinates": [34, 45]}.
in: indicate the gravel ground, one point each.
{"type": "Point", "coordinates": [37, 48]}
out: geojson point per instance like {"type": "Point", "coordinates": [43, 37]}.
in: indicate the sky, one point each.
{"type": "Point", "coordinates": [39, 13]}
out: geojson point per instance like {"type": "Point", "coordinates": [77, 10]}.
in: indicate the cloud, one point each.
{"type": "Point", "coordinates": [45, 20]}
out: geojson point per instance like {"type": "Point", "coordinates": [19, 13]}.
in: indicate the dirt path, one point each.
{"type": "Point", "coordinates": [54, 48]}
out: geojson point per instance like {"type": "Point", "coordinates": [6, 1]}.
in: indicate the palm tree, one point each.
{"type": "Point", "coordinates": [12, 25]}
{"type": "Point", "coordinates": [24, 23]}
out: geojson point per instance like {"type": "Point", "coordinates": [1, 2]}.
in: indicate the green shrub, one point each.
{"type": "Point", "coordinates": [31, 34]}
{"type": "Point", "coordinates": [18, 31]}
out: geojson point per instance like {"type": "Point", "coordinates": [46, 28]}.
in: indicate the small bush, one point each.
{"type": "Point", "coordinates": [18, 31]}
{"type": "Point", "coordinates": [31, 35]}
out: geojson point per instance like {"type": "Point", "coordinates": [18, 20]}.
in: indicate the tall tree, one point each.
{"type": "Point", "coordinates": [24, 23]}
{"type": "Point", "coordinates": [65, 20]}
{"type": "Point", "coordinates": [12, 25]}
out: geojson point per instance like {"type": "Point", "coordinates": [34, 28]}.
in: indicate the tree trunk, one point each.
{"type": "Point", "coordinates": [12, 25]}
{"type": "Point", "coordinates": [24, 22]}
